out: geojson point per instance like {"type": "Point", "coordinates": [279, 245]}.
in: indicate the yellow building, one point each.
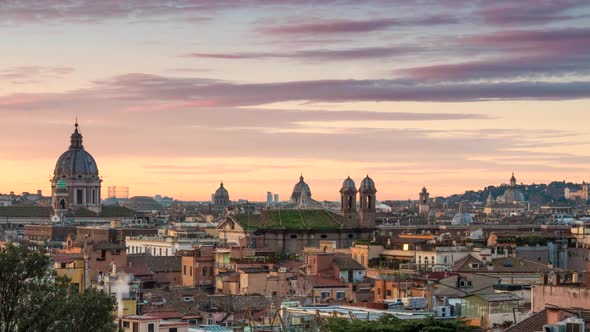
{"type": "Point", "coordinates": [71, 266]}
{"type": "Point", "coordinates": [129, 308]}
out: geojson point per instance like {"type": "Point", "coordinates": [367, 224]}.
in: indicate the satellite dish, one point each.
{"type": "Point", "coordinates": [55, 219]}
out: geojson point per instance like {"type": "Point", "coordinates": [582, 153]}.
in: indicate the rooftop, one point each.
{"type": "Point", "coordinates": [499, 297]}
{"type": "Point", "coordinates": [291, 219]}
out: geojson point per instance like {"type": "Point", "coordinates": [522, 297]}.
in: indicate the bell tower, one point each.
{"type": "Point", "coordinates": [424, 207]}
{"type": "Point", "coordinates": [368, 212]}
{"type": "Point", "coordinates": [348, 199]}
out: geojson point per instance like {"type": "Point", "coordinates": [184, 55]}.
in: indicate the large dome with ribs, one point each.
{"type": "Point", "coordinates": [76, 162]}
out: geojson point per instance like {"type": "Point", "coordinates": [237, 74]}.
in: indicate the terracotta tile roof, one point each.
{"type": "Point", "coordinates": [66, 258]}
{"type": "Point", "coordinates": [438, 275]}
{"type": "Point", "coordinates": [157, 263]}
{"type": "Point", "coordinates": [345, 262]}
{"type": "Point", "coordinates": [531, 324]}
{"type": "Point", "coordinates": [137, 269]}
{"type": "Point", "coordinates": [517, 264]}
{"type": "Point", "coordinates": [164, 314]}
{"type": "Point", "coordinates": [321, 282]}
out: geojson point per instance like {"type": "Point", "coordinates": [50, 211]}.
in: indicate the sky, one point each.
{"type": "Point", "coordinates": [173, 97]}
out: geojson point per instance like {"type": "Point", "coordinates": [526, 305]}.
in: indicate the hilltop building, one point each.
{"type": "Point", "coordinates": [75, 183]}
{"type": "Point", "coordinates": [573, 195]}
{"type": "Point", "coordinates": [510, 203]}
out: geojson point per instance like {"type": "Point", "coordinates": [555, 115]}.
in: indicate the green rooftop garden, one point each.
{"type": "Point", "coordinates": [291, 219]}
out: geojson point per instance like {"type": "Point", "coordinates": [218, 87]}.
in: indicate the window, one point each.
{"type": "Point", "coordinates": [363, 260]}
{"type": "Point", "coordinates": [173, 329]}
{"type": "Point", "coordinates": [204, 271]}
{"type": "Point", "coordinates": [79, 196]}
{"type": "Point", "coordinates": [389, 292]}
{"type": "Point", "coordinates": [325, 295]}
{"type": "Point", "coordinates": [151, 327]}
{"type": "Point", "coordinates": [340, 295]}
{"type": "Point", "coordinates": [191, 271]}
{"type": "Point", "coordinates": [160, 252]}
{"type": "Point", "coordinates": [135, 327]}
{"type": "Point", "coordinates": [184, 269]}
{"type": "Point", "coordinates": [125, 324]}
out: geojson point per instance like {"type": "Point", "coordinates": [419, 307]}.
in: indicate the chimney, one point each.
{"type": "Point", "coordinates": [39, 192]}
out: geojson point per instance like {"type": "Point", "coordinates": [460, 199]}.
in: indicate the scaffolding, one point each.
{"type": "Point", "coordinates": [118, 192]}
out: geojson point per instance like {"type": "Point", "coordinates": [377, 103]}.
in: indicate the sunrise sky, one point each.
{"type": "Point", "coordinates": [174, 96]}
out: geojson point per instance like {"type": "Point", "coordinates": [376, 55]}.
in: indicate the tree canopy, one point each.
{"type": "Point", "coordinates": [33, 298]}
{"type": "Point", "coordinates": [389, 323]}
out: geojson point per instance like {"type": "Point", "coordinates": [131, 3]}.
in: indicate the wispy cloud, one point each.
{"type": "Point", "coordinates": [321, 54]}
{"type": "Point", "coordinates": [345, 26]}
{"type": "Point", "coordinates": [531, 12]}
{"type": "Point", "coordinates": [29, 74]}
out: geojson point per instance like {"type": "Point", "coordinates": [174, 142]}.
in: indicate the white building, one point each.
{"type": "Point", "coordinates": [160, 245]}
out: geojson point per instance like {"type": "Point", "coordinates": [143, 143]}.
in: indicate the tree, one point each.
{"type": "Point", "coordinates": [33, 298]}
{"type": "Point", "coordinates": [390, 323]}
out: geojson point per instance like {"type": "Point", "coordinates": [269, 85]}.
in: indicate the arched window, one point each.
{"type": "Point", "coordinates": [369, 202]}
{"type": "Point", "coordinates": [62, 204]}
{"type": "Point", "coordinates": [362, 260]}
{"type": "Point", "coordinates": [349, 202]}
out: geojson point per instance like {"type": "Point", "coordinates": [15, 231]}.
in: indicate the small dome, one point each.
{"type": "Point", "coordinates": [143, 204]}
{"type": "Point", "coordinates": [76, 162]}
{"type": "Point", "coordinates": [367, 183]}
{"type": "Point", "coordinates": [348, 184]}
{"type": "Point", "coordinates": [300, 187]}
{"type": "Point", "coordinates": [462, 218]}
{"type": "Point", "coordinates": [513, 195]}
{"type": "Point", "coordinates": [221, 192]}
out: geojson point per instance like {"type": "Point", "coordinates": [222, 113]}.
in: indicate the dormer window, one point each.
{"type": "Point", "coordinates": [474, 266]}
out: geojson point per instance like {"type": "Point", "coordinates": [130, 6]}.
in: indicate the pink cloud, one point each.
{"type": "Point", "coordinates": [26, 73]}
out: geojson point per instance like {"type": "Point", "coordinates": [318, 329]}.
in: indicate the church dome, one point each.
{"type": "Point", "coordinates": [300, 187]}
{"type": "Point", "coordinates": [367, 183]}
{"type": "Point", "coordinates": [513, 195]}
{"type": "Point", "coordinates": [76, 162]}
{"type": "Point", "coordinates": [221, 192]}
{"type": "Point", "coordinates": [348, 184]}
